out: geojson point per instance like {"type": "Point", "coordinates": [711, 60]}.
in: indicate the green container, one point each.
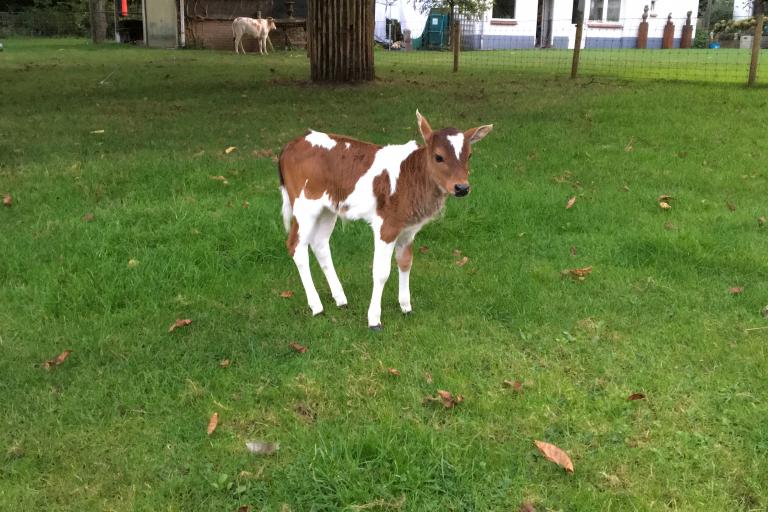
{"type": "Point", "coordinates": [436, 33]}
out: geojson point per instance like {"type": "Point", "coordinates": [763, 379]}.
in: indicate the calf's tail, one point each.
{"type": "Point", "coordinates": [287, 208]}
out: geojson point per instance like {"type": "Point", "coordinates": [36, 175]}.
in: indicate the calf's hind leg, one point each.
{"type": "Point", "coordinates": [301, 233]}
{"type": "Point", "coordinates": [321, 247]}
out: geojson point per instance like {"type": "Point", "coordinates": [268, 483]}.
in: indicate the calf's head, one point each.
{"type": "Point", "coordinates": [447, 154]}
{"type": "Point", "coordinates": [271, 24]}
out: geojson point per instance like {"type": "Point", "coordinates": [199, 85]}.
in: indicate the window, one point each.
{"type": "Point", "coordinates": [504, 9]}
{"type": "Point", "coordinates": [604, 10]}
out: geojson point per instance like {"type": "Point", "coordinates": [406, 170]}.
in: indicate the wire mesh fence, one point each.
{"type": "Point", "coordinates": [66, 23]}
{"type": "Point", "coordinates": [632, 48]}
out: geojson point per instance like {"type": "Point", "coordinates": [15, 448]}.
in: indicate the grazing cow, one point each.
{"type": "Point", "coordinates": [396, 189]}
{"type": "Point", "coordinates": [257, 28]}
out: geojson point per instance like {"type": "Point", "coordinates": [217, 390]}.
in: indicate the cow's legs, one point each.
{"type": "Point", "coordinates": [302, 230]}
{"type": "Point", "coordinates": [404, 256]}
{"type": "Point", "coordinates": [237, 44]}
{"type": "Point", "coordinates": [382, 264]}
{"type": "Point", "coordinates": [321, 246]}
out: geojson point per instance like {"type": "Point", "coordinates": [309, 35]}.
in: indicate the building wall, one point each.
{"type": "Point", "coordinates": [161, 20]}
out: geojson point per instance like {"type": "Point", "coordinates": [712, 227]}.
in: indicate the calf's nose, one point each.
{"type": "Point", "coordinates": [461, 189]}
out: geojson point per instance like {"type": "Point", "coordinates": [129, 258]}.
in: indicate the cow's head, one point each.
{"type": "Point", "coordinates": [447, 154]}
{"type": "Point", "coordinates": [271, 24]}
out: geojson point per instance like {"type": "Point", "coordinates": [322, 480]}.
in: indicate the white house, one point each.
{"type": "Point", "coordinates": [513, 24]}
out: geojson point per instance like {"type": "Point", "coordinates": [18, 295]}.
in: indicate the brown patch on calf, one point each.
{"type": "Point", "coordinates": [405, 258]}
{"type": "Point", "coordinates": [293, 238]}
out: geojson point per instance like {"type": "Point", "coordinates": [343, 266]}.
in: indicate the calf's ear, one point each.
{"type": "Point", "coordinates": [424, 128]}
{"type": "Point", "coordinates": [476, 134]}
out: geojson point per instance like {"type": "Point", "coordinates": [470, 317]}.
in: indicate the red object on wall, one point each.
{"type": "Point", "coordinates": [124, 8]}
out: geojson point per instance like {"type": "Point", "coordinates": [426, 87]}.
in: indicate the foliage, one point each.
{"type": "Point", "coordinates": [468, 7]}
{"type": "Point", "coordinates": [742, 26]}
{"type": "Point", "coordinates": [701, 39]}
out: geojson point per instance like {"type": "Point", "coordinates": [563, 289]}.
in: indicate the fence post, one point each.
{"type": "Point", "coordinates": [756, 45]}
{"type": "Point", "coordinates": [456, 43]}
{"type": "Point", "coordinates": [577, 44]}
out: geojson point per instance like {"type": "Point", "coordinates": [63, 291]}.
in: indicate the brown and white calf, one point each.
{"type": "Point", "coordinates": [396, 189]}
{"type": "Point", "coordinates": [256, 28]}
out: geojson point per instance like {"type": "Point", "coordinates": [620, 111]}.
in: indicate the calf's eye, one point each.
{"type": "Point", "coordinates": [439, 158]}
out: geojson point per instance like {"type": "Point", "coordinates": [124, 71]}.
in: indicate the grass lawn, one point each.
{"type": "Point", "coordinates": [121, 424]}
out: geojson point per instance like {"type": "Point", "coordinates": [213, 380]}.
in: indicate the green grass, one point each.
{"type": "Point", "coordinates": [120, 426]}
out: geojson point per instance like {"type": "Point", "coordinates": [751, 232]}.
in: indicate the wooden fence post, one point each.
{"type": "Point", "coordinates": [456, 43]}
{"type": "Point", "coordinates": [577, 45]}
{"type": "Point", "coordinates": [756, 45]}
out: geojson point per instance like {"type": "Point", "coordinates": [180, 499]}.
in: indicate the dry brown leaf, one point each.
{"type": "Point", "coordinates": [262, 448]}
{"type": "Point", "coordinates": [447, 398]}
{"type": "Point", "coordinates": [224, 363]}
{"type": "Point", "coordinates": [263, 153]}
{"type": "Point", "coordinates": [394, 371]}
{"type": "Point", "coordinates": [577, 273]}
{"type": "Point", "coordinates": [7, 200]}
{"type": "Point", "coordinates": [244, 508]}
{"type": "Point", "coordinates": [229, 150]}
{"type": "Point", "coordinates": [213, 423]}
{"type": "Point", "coordinates": [555, 454]}
{"type": "Point", "coordinates": [286, 294]}
{"type": "Point", "coordinates": [665, 205]}
{"type": "Point", "coordinates": [298, 348]}
{"type": "Point", "coordinates": [89, 217]}
{"type": "Point", "coordinates": [516, 385]}
{"type": "Point", "coordinates": [463, 261]}
{"type": "Point", "coordinates": [761, 220]}
{"type": "Point", "coordinates": [423, 249]}
{"type": "Point", "coordinates": [526, 507]}
{"type": "Point", "coordinates": [630, 145]}
{"type": "Point", "coordinates": [570, 203]}
{"type": "Point", "coordinates": [456, 252]}
{"type": "Point", "coordinates": [181, 322]}
{"type": "Point", "coordinates": [220, 178]}
{"type": "Point", "coordinates": [573, 250]}
{"type": "Point", "coordinates": [246, 204]}
{"type": "Point", "coordinates": [636, 396]}
{"type": "Point", "coordinates": [665, 198]}
{"type": "Point", "coordinates": [56, 362]}
{"type": "Point", "coordinates": [736, 290]}
{"type": "Point", "coordinates": [428, 377]}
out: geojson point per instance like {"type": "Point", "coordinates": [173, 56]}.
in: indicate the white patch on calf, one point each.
{"type": "Point", "coordinates": [361, 203]}
{"type": "Point", "coordinates": [347, 144]}
{"type": "Point", "coordinates": [320, 139]}
{"type": "Point", "coordinates": [457, 141]}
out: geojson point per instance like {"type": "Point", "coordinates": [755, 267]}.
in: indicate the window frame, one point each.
{"type": "Point", "coordinates": [603, 18]}
{"type": "Point", "coordinates": [502, 20]}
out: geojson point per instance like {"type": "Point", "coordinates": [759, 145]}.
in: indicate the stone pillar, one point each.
{"type": "Point", "coordinates": [668, 38]}
{"type": "Point", "coordinates": [686, 40]}
{"type": "Point", "coordinates": [642, 32]}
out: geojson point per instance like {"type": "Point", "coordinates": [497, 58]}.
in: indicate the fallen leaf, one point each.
{"type": "Point", "coordinates": [730, 206]}
{"type": "Point", "coordinates": [612, 480]}
{"type": "Point", "coordinates": [428, 377]}
{"type": "Point", "coordinates": [736, 290]}
{"type": "Point", "coordinates": [298, 348]}
{"type": "Point", "coordinates": [570, 203]}
{"type": "Point", "coordinates": [424, 249]}
{"type": "Point", "coordinates": [577, 273]}
{"type": "Point", "coordinates": [573, 250]}
{"type": "Point", "coordinates": [665, 198]}
{"type": "Point", "coordinates": [463, 261]}
{"type": "Point", "coordinates": [7, 200]}
{"type": "Point", "coordinates": [456, 252]}
{"type": "Point", "coordinates": [213, 423]}
{"type": "Point", "coordinates": [224, 363]}
{"type": "Point", "coordinates": [394, 371]}
{"type": "Point", "coordinates": [244, 508]}
{"type": "Point", "coordinates": [229, 150]}
{"type": "Point", "coordinates": [447, 398]}
{"type": "Point", "coordinates": [89, 217]}
{"type": "Point", "coordinates": [555, 454]}
{"type": "Point", "coordinates": [179, 323]}
{"type": "Point", "coordinates": [56, 362]}
{"type": "Point", "coordinates": [516, 385]}
{"type": "Point", "coordinates": [97, 131]}
{"type": "Point", "coordinates": [262, 448]}
{"type": "Point", "coordinates": [526, 507]}
{"type": "Point", "coordinates": [626, 188]}
{"type": "Point", "coordinates": [664, 205]}
{"type": "Point", "coordinates": [630, 145]}
{"type": "Point", "coordinates": [219, 178]}
{"type": "Point", "coordinates": [761, 220]}
{"type": "Point", "coordinates": [263, 153]}
{"type": "Point", "coordinates": [132, 263]}
{"type": "Point", "coordinates": [286, 294]}
{"type": "Point", "coordinates": [636, 396]}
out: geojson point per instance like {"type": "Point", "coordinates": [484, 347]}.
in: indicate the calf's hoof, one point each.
{"type": "Point", "coordinates": [375, 328]}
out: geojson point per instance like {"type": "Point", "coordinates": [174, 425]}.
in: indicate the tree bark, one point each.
{"type": "Point", "coordinates": [340, 40]}
{"type": "Point", "coordinates": [98, 20]}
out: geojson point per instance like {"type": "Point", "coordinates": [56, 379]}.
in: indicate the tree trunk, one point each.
{"type": "Point", "coordinates": [340, 40]}
{"type": "Point", "coordinates": [98, 20]}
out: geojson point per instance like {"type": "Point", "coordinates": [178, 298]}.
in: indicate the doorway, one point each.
{"type": "Point", "coordinates": [544, 24]}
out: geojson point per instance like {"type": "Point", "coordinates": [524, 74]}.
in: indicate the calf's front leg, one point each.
{"type": "Point", "coordinates": [382, 264]}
